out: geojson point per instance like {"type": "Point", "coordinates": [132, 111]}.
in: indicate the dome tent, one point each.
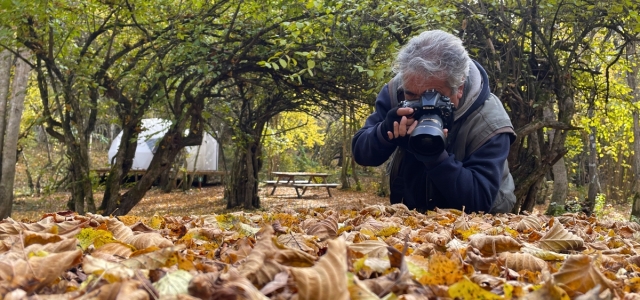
{"type": "Point", "coordinates": [148, 140]}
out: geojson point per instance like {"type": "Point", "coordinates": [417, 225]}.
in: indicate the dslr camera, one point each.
{"type": "Point", "coordinates": [434, 113]}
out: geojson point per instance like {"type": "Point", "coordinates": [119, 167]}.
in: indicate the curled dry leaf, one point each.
{"type": "Point", "coordinates": [280, 280]}
{"type": "Point", "coordinates": [152, 260]}
{"type": "Point", "coordinates": [487, 281]}
{"type": "Point", "coordinates": [489, 244]}
{"type": "Point", "coordinates": [278, 228]}
{"type": "Point", "coordinates": [328, 278]}
{"type": "Point", "coordinates": [17, 252]}
{"type": "Point", "coordinates": [110, 271]}
{"type": "Point", "coordinates": [133, 289]}
{"type": "Point", "coordinates": [114, 252]}
{"type": "Point", "coordinates": [480, 263]}
{"type": "Point", "coordinates": [326, 228]}
{"type": "Point", "coordinates": [579, 274]}
{"type": "Point", "coordinates": [38, 271]}
{"type": "Point", "coordinates": [528, 224]}
{"type": "Point", "coordinates": [436, 238]}
{"type": "Point", "coordinates": [560, 239]}
{"type": "Point", "coordinates": [295, 241]}
{"type": "Point", "coordinates": [371, 248]}
{"type": "Point", "coordinates": [141, 241]}
{"type": "Point", "coordinates": [521, 261]}
{"type": "Point", "coordinates": [260, 266]}
{"type": "Point", "coordinates": [542, 254]}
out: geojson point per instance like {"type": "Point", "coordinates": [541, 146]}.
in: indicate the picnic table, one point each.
{"type": "Point", "coordinates": [305, 180]}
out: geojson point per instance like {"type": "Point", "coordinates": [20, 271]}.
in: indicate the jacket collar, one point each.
{"type": "Point", "coordinates": [476, 91]}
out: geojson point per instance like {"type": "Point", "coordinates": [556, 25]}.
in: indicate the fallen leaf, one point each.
{"type": "Point", "coordinates": [489, 245]}
{"type": "Point", "coordinates": [466, 289]}
{"type": "Point", "coordinates": [560, 239]}
{"type": "Point", "coordinates": [174, 283]}
{"type": "Point", "coordinates": [328, 278]}
{"type": "Point", "coordinates": [578, 274]}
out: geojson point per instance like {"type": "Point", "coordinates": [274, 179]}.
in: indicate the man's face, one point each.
{"type": "Point", "coordinates": [416, 85]}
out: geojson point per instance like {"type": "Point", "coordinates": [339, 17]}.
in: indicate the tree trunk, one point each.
{"type": "Point", "coordinates": [12, 131]}
{"type": "Point", "coordinates": [529, 199]}
{"type": "Point", "coordinates": [635, 93]}
{"type": "Point", "coordinates": [242, 187]}
{"type": "Point", "coordinates": [344, 178]}
{"type": "Point", "coordinates": [594, 182]}
{"type": "Point", "coordinates": [5, 79]}
{"type": "Point", "coordinates": [120, 166]}
{"type": "Point", "coordinates": [168, 149]}
{"type": "Point", "coordinates": [560, 179]}
{"type": "Point", "coordinates": [347, 142]}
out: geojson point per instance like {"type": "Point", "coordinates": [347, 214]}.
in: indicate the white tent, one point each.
{"type": "Point", "coordinates": [199, 158]}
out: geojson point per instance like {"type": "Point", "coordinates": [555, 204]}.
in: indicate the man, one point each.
{"type": "Point", "coordinates": [472, 170]}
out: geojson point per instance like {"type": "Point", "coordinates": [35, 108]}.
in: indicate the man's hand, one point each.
{"type": "Point", "coordinates": [399, 122]}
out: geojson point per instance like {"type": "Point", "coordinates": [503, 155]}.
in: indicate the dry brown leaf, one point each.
{"type": "Point", "coordinates": [528, 224]}
{"type": "Point", "coordinates": [579, 274]}
{"type": "Point", "coordinates": [111, 271]}
{"type": "Point", "coordinates": [294, 258]}
{"type": "Point", "coordinates": [114, 252]}
{"type": "Point", "coordinates": [521, 261]}
{"type": "Point", "coordinates": [42, 238]}
{"type": "Point", "coordinates": [240, 250]}
{"type": "Point", "coordinates": [489, 244]}
{"type": "Point", "coordinates": [208, 285]}
{"type": "Point", "coordinates": [324, 229]}
{"type": "Point", "coordinates": [280, 280]}
{"type": "Point", "coordinates": [260, 266]}
{"type": "Point", "coordinates": [436, 238]}
{"type": "Point", "coordinates": [10, 227]}
{"type": "Point", "coordinates": [487, 281]}
{"type": "Point", "coordinates": [152, 260]}
{"type": "Point", "coordinates": [328, 278]}
{"type": "Point", "coordinates": [479, 263]}
{"type": "Point", "coordinates": [278, 228]}
{"type": "Point", "coordinates": [295, 241]}
{"type": "Point", "coordinates": [124, 234]}
{"type": "Point", "coordinates": [38, 271]}
{"type": "Point", "coordinates": [560, 239]}
{"type": "Point", "coordinates": [132, 289]}
{"type": "Point", "coordinates": [371, 248]}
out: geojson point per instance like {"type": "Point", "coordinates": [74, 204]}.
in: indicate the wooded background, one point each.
{"type": "Point", "coordinates": [283, 85]}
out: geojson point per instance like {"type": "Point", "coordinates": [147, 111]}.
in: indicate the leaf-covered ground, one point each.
{"type": "Point", "coordinates": [376, 252]}
{"type": "Point", "coordinates": [206, 200]}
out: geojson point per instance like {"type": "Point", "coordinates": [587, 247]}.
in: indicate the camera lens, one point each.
{"type": "Point", "coordinates": [428, 137]}
{"type": "Point", "coordinates": [425, 144]}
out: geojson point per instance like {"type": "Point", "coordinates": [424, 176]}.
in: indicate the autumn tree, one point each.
{"type": "Point", "coordinates": [12, 94]}
{"type": "Point", "coordinates": [532, 61]}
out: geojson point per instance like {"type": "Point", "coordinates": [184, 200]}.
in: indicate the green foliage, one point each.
{"type": "Point", "coordinates": [599, 209]}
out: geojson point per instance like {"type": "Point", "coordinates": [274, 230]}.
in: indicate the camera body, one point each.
{"type": "Point", "coordinates": [434, 113]}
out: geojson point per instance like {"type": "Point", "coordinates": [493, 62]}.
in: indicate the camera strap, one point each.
{"type": "Point", "coordinates": [396, 158]}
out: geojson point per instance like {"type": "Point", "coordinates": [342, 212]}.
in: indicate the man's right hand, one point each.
{"type": "Point", "coordinates": [399, 123]}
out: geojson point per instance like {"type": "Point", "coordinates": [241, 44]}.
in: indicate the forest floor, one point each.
{"type": "Point", "coordinates": [205, 200]}
{"type": "Point", "coordinates": [209, 199]}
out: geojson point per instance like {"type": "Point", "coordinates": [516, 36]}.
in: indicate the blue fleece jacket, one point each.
{"type": "Point", "coordinates": [472, 182]}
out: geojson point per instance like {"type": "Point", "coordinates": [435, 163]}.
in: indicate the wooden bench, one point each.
{"type": "Point", "coordinates": [304, 187]}
{"type": "Point", "coordinates": [283, 182]}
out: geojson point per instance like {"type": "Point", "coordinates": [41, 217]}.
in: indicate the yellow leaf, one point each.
{"type": "Point", "coordinates": [359, 291]}
{"type": "Point", "coordinates": [97, 237]}
{"type": "Point", "coordinates": [156, 222]}
{"type": "Point", "coordinates": [465, 234]}
{"type": "Point", "coordinates": [388, 231]}
{"type": "Point", "coordinates": [442, 271]}
{"type": "Point", "coordinates": [468, 290]}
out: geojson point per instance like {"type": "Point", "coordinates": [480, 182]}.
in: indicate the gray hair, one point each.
{"type": "Point", "coordinates": [434, 53]}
